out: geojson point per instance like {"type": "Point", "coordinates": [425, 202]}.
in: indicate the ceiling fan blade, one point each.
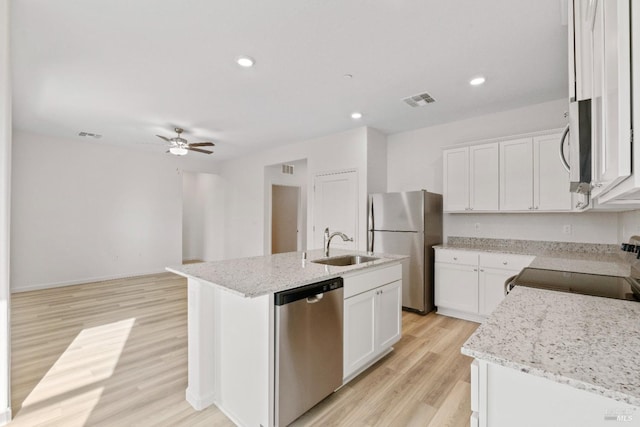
{"type": "Point", "coordinates": [202, 144]}
{"type": "Point", "coordinates": [199, 150]}
{"type": "Point", "coordinates": [164, 137]}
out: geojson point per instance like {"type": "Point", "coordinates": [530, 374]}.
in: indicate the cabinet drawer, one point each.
{"type": "Point", "coordinates": [456, 257]}
{"type": "Point", "coordinates": [505, 261]}
{"type": "Point", "coordinates": [370, 279]}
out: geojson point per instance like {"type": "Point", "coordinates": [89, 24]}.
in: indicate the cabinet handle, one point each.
{"type": "Point", "coordinates": [475, 269]}
{"type": "Point", "coordinates": [530, 208]}
{"type": "Point", "coordinates": [481, 271]}
{"type": "Point", "coordinates": [536, 207]}
{"type": "Point", "coordinates": [455, 258]}
{"type": "Point", "coordinates": [504, 262]}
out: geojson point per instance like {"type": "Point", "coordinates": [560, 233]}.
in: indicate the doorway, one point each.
{"type": "Point", "coordinates": [285, 211]}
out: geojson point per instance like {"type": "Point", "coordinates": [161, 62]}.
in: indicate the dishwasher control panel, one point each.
{"type": "Point", "coordinates": [291, 295]}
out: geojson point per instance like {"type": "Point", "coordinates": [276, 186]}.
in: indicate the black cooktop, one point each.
{"type": "Point", "coordinates": [625, 288]}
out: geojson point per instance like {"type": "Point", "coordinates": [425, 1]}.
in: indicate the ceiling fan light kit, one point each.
{"type": "Point", "coordinates": [179, 146]}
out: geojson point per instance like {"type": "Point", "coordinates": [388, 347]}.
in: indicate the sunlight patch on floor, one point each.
{"type": "Point", "coordinates": [76, 376]}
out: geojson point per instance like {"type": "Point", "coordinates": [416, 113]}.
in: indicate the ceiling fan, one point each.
{"type": "Point", "coordinates": [179, 146]}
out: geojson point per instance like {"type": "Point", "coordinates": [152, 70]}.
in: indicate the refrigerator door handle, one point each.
{"type": "Point", "coordinates": [371, 224]}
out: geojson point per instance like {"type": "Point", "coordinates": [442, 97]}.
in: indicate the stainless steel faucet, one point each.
{"type": "Point", "coordinates": [328, 237]}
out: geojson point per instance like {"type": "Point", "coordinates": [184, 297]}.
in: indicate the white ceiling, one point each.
{"type": "Point", "coordinates": [131, 69]}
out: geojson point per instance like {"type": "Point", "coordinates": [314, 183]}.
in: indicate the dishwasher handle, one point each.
{"type": "Point", "coordinates": [312, 293]}
{"type": "Point", "coordinates": [314, 298]}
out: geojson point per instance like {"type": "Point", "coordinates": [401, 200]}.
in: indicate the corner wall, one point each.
{"type": "Point", "coordinates": [85, 211]}
{"type": "Point", "coordinates": [415, 162]}
{"type": "Point", "coordinates": [5, 211]}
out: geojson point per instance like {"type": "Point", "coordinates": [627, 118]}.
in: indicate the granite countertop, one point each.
{"type": "Point", "coordinates": [262, 275]}
{"type": "Point", "coordinates": [564, 256]}
{"type": "Point", "coordinates": [590, 343]}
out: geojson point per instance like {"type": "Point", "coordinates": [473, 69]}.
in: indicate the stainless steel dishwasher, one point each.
{"type": "Point", "coordinates": [308, 333]}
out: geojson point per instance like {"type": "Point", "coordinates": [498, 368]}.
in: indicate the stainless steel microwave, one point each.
{"type": "Point", "coordinates": [578, 135]}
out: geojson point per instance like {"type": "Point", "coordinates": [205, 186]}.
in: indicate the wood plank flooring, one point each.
{"type": "Point", "coordinates": [114, 353]}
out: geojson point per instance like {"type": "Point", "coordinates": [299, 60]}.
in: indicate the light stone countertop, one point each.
{"type": "Point", "coordinates": [590, 343]}
{"type": "Point", "coordinates": [575, 257]}
{"type": "Point", "coordinates": [261, 275]}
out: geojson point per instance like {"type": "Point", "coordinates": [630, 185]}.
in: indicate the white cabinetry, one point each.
{"type": "Point", "coordinates": [471, 178]}
{"type": "Point", "coordinates": [531, 175]}
{"type": "Point", "coordinates": [516, 175]}
{"type": "Point", "coordinates": [372, 317]}
{"type": "Point", "coordinates": [550, 178]}
{"type": "Point", "coordinates": [470, 285]}
{"type": "Point", "coordinates": [506, 397]}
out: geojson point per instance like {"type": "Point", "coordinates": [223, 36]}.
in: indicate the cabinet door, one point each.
{"type": "Point", "coordinates": [550, 178]}
{"type": "Point", "coordinates": [484, 180]}
{"type": "Point", "coordinates": [456, 287]}
{"type": "Point", "coordinates": [359, 331]}
{"type": "Point", "coordinates": [491, 288]}
{"type": "Point", "coordinates": [516, 175]}
{"type": "Point", "coordinates": [456, 179]}
{"type": "Point", "coordinates": [388, 315]}
{"type": "Point", "coordinates": [611, 104]}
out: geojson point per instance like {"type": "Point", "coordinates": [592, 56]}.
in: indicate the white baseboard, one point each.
{"type": "Point", "coordinates": [461, 315]}
{"type": "Point", "coordinates": [199, 402]}
{"type": "Point", "coordinates": [5, 416]}
{"type": "Point", "coordinates": [86, 280]}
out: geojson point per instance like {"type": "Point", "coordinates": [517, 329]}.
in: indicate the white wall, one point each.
{"type": "Point", "coordinates": [245, 203]}
{"type": "Point", "coordinates": [202, 216]}
{"type": "Point", "coordinates": [415, 162]}
{"type": "Point", "coordinates": [85, 211]}
{"type": "Point", "coordinates": [629, 225]}
{"type": "Point", "coordinates": [376, 161]}
{"type": "Point", "coordinates": [5, 210]}
{"type": "Point", "coordinates": [300, 178]}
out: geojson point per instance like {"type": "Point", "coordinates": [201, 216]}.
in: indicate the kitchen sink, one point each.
{"type": "Point", "coordinates": [345, 260]}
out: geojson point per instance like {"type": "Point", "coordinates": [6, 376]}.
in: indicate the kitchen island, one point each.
{"type": "Point", "coordinates": [552, 358]}
{"type": "Point", "coordinates": [231, 324]}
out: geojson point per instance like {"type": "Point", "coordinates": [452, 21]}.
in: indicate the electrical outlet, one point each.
{"type": "Point", "coordinates": [566, 229]}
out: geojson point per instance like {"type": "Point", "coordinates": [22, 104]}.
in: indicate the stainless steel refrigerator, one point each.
{"type": "Point", "coordinates": [408, 223]}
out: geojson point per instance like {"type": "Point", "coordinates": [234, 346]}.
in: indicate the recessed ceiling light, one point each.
{"type": "Point", "coordinates": [477, 81]}
{"type": "Point", "coordinates": [356, 115]}
{"type": "Point", "coordinates": [245, 61]}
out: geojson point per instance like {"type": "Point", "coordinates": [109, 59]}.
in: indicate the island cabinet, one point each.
{"type": "Point", "coordinates": [507, 397]}
{"type": "Point", "coordinates": [372, 317]}
{"type": "Point", "coordinates": [470, 285]}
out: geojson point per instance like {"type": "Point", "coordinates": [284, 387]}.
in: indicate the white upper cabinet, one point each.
{"type": "Point", "coordinates": [456, 179]}
{"type": "Point", "coordinates": [550, 178]}
{"type": "Point", "coordinates": [611, 90]}
{"type": "Point", "coordinates": [516, 175]}
{"type": "Point", "coordinates": [483, 177]}
{"type": "Point", "coordinates": [471, 178]}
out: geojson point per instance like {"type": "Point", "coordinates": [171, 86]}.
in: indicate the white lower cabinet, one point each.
{"type": "Point", "coordinates": [469, 284]}
{"type": "Point", "coordinates": [506, 397]}
{"type": "Point", "coordinates": [372, 318]}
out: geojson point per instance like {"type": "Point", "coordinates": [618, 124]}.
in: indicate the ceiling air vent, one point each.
{"type": "Point", "coordinates": [419, 100]}
{"type": "Point", "coordinates": [287, 169]}
{"type": "Point", "coordinates": [90, 135]}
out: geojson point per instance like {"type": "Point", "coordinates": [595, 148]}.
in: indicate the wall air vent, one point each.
{"type": "Point", "coordinates": [419, 100]}
{"type": "Point", "coordinates": [90, 135]}
{"type": "Point", "coordinates": [287, 169]}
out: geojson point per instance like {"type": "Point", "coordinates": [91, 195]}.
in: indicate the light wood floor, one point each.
{"type": "Point", "coordinates": [115, 354]}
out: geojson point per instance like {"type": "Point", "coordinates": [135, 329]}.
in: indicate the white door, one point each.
{"type": "Point", "coordinates": [516, 175]}
{"type": "Point", "coordinates": [456, 287]}
{"type": "Point", "coordinates": [336, 206]}
{"type": "Point", "coordinates": [359, 331]}
{"type": "Point", "coordinates": [388, 314]}
{"type": "Point", "coordinates": [550, 178]}
{"type": "Point", "coordinates": [484, 180]}
{"type": "Point", "coordinates": [456, 179]}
